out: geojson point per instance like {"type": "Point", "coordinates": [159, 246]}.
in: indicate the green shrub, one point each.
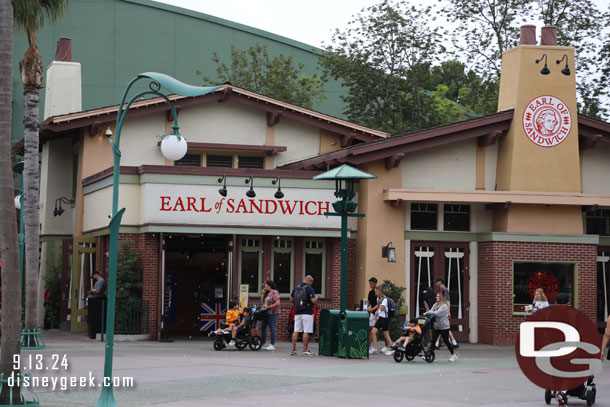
{"type": "Point", "coordinates": [394, 292]}
{"type": "Point", "coordinates": [129, 273]}
{"type": "Point", "coordinates": [52, 281]}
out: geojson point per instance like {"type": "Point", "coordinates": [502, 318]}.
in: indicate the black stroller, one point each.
{"type": "Point", "coordinates": [585, 391]}
{"type": "Point", "coordinates": [244, 337]}
{"type": "Point", "coordinates": [418, 346]}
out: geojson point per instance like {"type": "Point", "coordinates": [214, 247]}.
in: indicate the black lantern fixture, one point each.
{"type": "Point", "coordinates": [250, 193]}
{"type": "Point", "coordinates": [278, 194]}
{"type": "Point", "coordinates": [58, 209]}
{"type": "Point", "coordinates": [223, 191]}
{"type": "Point", "coordinates": [545, 70]}
{"type": "Point", "coordinates": [389, 252]}
{"type": "Point", "coordinates": [566, 69]}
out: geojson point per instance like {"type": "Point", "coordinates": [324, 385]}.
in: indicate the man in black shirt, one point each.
{"type": "Point", "coordinates": [372, 305]}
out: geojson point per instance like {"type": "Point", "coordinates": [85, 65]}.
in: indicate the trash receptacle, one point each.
{"type": "Point", "coordinates": [354, 335]}
{"type": "Point", "coordinates": [329, 325]}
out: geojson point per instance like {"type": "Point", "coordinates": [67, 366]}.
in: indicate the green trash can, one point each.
{"type": "Point", "coordinates": [329, 324]}
{"type": "Point", "coordinates": [354, 335]}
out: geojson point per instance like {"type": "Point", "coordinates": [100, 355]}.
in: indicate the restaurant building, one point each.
{"type": "Point", "coordinates": [497, 206]}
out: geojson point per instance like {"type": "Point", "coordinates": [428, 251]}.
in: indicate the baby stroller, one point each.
{"type": "Point", "coordinates": [244, 337]}
{"type": "Point", "coordinates": [585, 391]}
{"type": "Point", "coordinates": [417, 347]}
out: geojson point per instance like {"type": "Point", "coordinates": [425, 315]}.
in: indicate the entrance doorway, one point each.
{"type": "Point", "coordinates": [196, 275]}
{"type": "Point", "coordinates": [432, 260]}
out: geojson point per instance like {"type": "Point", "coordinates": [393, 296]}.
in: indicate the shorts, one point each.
{"type": "Point", "coordinates": [382, 324]}
{"type": "Point", "coordinates": [303, 323]}
{"type": "Point", "coordinates": [372, 319]}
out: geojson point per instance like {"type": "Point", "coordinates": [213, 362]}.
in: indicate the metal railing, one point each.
{"type": "Point", "coordinates": [132, 317]}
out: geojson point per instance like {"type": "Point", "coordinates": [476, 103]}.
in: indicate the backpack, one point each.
{"type": "Point", "coordinates": [301, 302]}
{"type": "Point", "coordinates": [391, 307]}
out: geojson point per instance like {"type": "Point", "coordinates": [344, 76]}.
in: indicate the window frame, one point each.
{"type": "Point", "coordinates": [436, 227]}
{"type": "Point", "coordinates": [248, 249]}
{"type": "Point", "coordinates": [446, 205]}
{"type": "Point", "coordinates": [290, 250]}
{"type": "Point", "coordinates": [322, 251]}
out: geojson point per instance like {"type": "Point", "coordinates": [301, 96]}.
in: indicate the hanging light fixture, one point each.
{"type": "Point", "coordinates": [278, 194]}
{"type": "Point", "coordinates": [58, 209]}
{"type": "Point", "coordinates": [223, 191]}
{"type": "Point", "coordinates": [545, 70]}
{"type": "Point", "coordinates": [250, 193]}
{"type": "Point", "coordinates": [566, 69]}
{"type": "Point", "coordinates": [173, 146]}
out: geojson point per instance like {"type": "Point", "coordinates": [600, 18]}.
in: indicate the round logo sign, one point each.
{"type": "Point", "coordinates": [545, 280]}
{"type": "Point", "coordinates": [547, 121]}
{"type": "Point", "coordinates": [558, 348]}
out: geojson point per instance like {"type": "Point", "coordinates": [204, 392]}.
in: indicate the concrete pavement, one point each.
{"type": "Point", "coordinates": [189, 373]}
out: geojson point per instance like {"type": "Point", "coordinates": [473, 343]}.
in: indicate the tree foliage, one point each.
{"type": "Point", "coordinates": [278, 77]}
{"type": "Point", "coordinates": [394, 292]}
{"type": "Point", "coordinates": [129, 273]}
{"type": "Point", "coordinates": [52, 306]}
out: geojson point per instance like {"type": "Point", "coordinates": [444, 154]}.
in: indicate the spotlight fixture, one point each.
{"type": "Point", "coordinates": [545, 70]}
{"type": "Point", "coordinates": [566, 69]}
{"type": "Point", "coordinates": [278, 194]}
{"type": "Point", "coordinates": [223, 191]}
{"type": "Point", "coordinates": [108, 132]}
{"type": "Point", "coordinates": [58, 209]}
{"type": "Point", "coordinates": [250, 193]}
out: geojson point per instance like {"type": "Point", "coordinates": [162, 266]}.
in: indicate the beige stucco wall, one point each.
{"type": "Point", "coordinates": [596, 169]}
{"type": "Point", "coordinates": [329, 141]}
{"type": "Point", "coordinates": [302, 140]}
{"type": "Point", "coordinates": [55, 182]}
{"type": "Point", "coordinates": [97, 152]}
{"type": "Point", "coordinates": [226, 123]}
{"type": "Point", "coordinates": [382, 224]}
{"type": "Point", "coordinates": [98, 205]}
{"type": "Point", "coordinates": [448, 167]}
{"type": "Point", "coordinates": [556, 219]}
{"type": "Point", "coordinates": [491, 163]}
{"type": "Point", "coordinates": [139, 140]}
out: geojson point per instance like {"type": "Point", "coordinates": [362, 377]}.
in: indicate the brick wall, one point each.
{"type": "Point", "coordinates": [496, 322]}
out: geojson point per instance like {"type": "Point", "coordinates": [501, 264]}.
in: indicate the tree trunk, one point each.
{"type": "Point", "coordinates": [31, 215]}
{"type": "Point", "coordinates": [31, 74]}
{"type": "Point", "coordinates": [11, 292]}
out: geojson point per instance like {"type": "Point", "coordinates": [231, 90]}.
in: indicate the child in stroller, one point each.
{"type": "Point", "coordinates": [415, 341]}
{"type": "Point", "coordinates": [585, 391]}
{"type": "Point", "coordinates": [231, 319]}
{"type": "Point", "coordinates": [240, 335]}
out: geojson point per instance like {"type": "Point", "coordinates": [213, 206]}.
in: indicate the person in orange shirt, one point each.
{"type": "Point", "coordinates": [232, 317]}
{"type": "Point", "coordinates": [408, 334]}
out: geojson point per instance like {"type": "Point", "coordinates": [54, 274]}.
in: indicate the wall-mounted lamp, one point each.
{"type": "Point", "coordinates": [545, 70]}
{"type": "Point", "coordinates": [108, 132]}
{"type": "Point", "coordinates": [389, 252]}
{"type": "Point", "coordinates": [250, 193]}
{"type": "Point", "coordinates": [566, 69]}
{"type": "Point", "coordinates": [58, 209]}
{"type": "Point", "coordinates": [223, 191]}
{"type": "Point", "coordinates": [278, 194]}
{"type": "Point", "coordinates": [18, 201]}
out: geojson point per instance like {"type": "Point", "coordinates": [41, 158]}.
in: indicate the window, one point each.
{"type": "Point", "coordinates": [598, 222]}
{"type": "Point", "coordinates": [423, 216]}
{"type": "Point", "coordinates": [224, 161]}
{"type": "Point", "coordinates": [553, 278]}
{"type": "Point", "coordinates": [250, 162]}
{"type": "Point", "coordinates": [603, 284]}
{"type": "Point", "coordinates": [189, 160]}
{"type": "Point", "coordinates": [314, 259]}
{"type": "Point", "coordinates": [282, 265]}
{"type": "Point", "coordinates": [456, 217]}
{"type": "Point", "coordinates": [251, 263]}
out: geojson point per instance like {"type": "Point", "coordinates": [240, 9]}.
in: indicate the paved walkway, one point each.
{"type": "Point", "coordinates": [191, 373]}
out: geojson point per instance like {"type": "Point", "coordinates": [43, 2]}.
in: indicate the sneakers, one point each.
{"type": "Point", "coordinates": [561, 399]}
{"type": "Point", "coordinates": [456, 346]}
{"type": "Point", "coordinates": [401, 347]}
{"type": "Point", "coordinates": [453, 358]}
{"type": "Point", "coordinates": [372, 351]}
{"type": "Point", "coordinates": [384, 349]}
{"type": "Point", "coordinates": [270, 347]}
{"type": "Point", "coordinates": [294, 353]}
{"type": "Point", "coordinates": [232, 343]}
{"type": "Point", "coordinates": [213, 333]}
{"type": "Point", "coordinates": [307, 353]}
{"type": "Point", "coordinates": [389, 352]}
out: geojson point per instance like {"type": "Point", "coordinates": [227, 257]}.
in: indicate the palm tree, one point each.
{"type": "Point", "coordinates": [31, 16]}
{"type": "Point", "coordinates": [11, 293]}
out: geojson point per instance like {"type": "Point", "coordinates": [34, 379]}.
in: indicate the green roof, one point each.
{"type": "Point", "coordinates": [344, 172]}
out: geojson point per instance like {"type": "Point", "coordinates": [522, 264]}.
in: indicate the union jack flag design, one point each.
{"type": "Point", "coordinates": [212, 314]}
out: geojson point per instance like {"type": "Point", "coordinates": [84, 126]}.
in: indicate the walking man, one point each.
{"type": "Point", "coordinates": [303, 298]}
{"type": "Point", "coordinates": [372, 308]}
{"type": "Point", "coordinates": [440, 284]}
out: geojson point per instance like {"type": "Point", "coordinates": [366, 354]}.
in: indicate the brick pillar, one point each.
{"type": "Point", "coordinates": [335, 252]}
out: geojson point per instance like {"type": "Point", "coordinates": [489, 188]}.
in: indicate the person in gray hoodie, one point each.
{"type": "Point", "coordinates": [440, 311]}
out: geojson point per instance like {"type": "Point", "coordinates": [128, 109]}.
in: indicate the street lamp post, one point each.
{"type": "Point", "coordinates": [173, 148]}
{"type": "Point", "coordinates": [344, 177]}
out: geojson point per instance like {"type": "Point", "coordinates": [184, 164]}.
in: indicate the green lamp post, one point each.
{"type": "Point", "coordinates": [173, 147]}
{"type": "Point", "coordinates": [344, 177]}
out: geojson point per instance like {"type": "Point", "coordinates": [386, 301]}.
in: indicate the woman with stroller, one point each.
{"type": "Point", "coordinates": [270, 300]}
{"type": "Point", "coordinates": [440, 310]}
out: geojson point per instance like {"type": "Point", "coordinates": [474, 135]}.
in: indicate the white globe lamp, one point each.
{"type": "Point", "coordinates": [173, 147]}
{"type": "Point", "coordinates": [18, 202]}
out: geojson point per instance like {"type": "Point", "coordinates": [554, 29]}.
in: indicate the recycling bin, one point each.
{"type": "Point", "coordinates": [354, 335]}
{"type": "Point", "coordinates": [329, 324]}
